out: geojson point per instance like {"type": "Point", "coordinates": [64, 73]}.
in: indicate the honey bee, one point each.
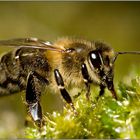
{"type": "Point", "coordinates": [66, 63]}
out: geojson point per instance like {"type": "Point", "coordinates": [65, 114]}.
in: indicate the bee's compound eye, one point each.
{"type": "Point", "coordinates": [95, 59]}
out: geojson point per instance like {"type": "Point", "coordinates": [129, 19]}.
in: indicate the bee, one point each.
{"type": "Point", "coordinates": [67, 63]}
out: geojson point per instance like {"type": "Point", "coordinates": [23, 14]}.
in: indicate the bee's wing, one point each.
{"type": "Point", "coordinates": [30, 43]}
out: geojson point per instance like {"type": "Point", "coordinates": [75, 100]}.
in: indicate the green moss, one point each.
{"type": "Point", "coordinates": [105, 118]}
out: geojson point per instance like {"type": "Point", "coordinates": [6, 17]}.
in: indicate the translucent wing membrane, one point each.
{"type": "Point", "coordinates": [29, 43]}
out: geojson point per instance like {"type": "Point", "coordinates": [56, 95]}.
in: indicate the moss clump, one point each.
{"type": "Point", "coordinates": [105, 118]}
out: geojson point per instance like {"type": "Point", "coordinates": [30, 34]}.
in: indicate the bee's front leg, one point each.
{"type": "Point", "coordinates": [102, 91]}
{"type": "Point", "coordinates": [86, 79]}
{"type": "Point", "coordinates": [33, 92]}
{"type": "Point", "coordinates": [64, 93]}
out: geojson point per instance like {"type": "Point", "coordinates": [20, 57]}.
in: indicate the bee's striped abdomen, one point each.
{"type": "Point", "coordinates": [15, 67]}
{"type": "Point", "coordinates": [9, 74]}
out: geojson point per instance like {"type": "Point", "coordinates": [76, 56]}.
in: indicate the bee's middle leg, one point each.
{"type": "Point", "coordinates": [33, 99]}
{"type": "Point", "coordinates": [64, 93]}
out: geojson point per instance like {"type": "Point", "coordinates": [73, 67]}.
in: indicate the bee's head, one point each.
{"type": "Point", "coordinates": [101, 62]}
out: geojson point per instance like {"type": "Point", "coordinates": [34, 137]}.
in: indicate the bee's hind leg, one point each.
{"type": "Point", "coordinates": [33, 93]}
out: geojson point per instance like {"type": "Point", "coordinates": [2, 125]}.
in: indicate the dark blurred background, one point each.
{"type": "Point", "coordinates": [116, 23]}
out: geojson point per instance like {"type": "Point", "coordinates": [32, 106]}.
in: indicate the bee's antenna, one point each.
{"type": "Point", "coordinates": [131, 52]}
